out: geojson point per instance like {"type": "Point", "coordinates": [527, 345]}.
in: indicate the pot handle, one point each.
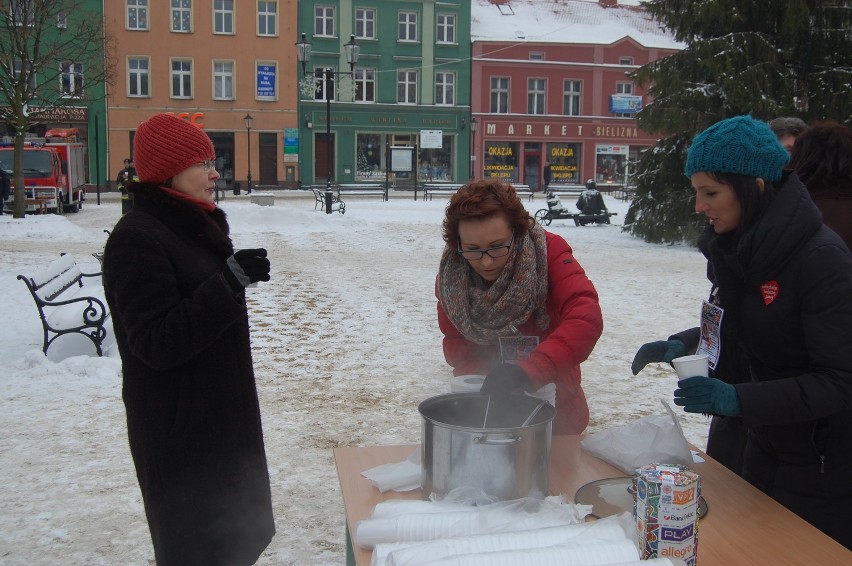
{"type": "Point", "coordinates": [496, 441]}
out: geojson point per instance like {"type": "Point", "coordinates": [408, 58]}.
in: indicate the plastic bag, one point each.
{"type": "Point", "coordinates": [658, 438]}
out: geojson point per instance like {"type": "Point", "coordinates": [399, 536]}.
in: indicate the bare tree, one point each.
{"type": "Point", "coordinates": [52, 54]}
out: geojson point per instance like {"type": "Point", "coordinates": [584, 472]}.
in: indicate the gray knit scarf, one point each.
{"type": "Point", "coordinates": [482, 313]}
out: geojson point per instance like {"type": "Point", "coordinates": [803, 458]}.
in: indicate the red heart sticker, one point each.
{"type": "Point", "coordinates": [769, 290]}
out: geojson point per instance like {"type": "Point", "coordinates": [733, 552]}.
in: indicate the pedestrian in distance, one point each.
{"type": "Point", "coordinates": [176, 292]}
{"type": "Point", "coordinates": [822, 158]}
{"type": "Point", "coordinates": [547, 174]}
{"type": "Point", "coordinates": [780, 382]}
{"type": "Point", "coordinates": [502, 276]}
{"type": "Point", "coordinates": [5, 188]}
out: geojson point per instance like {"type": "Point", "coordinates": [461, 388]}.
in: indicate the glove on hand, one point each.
{"type": "Point", "coordinates": [246, 267]}
{"type": "Point", "coordinates": [662, 351]}
{"type": "Point", "coordinates": [701, 394]}
{"type": "Point", "coordinates": [505, 380]}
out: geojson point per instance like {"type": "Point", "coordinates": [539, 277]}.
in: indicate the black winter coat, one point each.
{"type": "Point", "coordinates": [193, 416]}
{"type": "Point", "coordinates": [786, 286]}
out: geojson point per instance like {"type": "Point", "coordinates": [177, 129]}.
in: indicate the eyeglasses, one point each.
{"type": "Point", "coordinates": [207, 165]}
{"type": "Point", "coordinates": [496, 251]}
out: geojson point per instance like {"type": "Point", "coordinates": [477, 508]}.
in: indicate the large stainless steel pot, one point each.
{"type": "Point", "coordinates": [473, 440]}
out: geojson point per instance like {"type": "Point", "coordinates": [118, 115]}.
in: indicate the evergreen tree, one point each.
{"type": "Point", "coordinates": [767, 58]}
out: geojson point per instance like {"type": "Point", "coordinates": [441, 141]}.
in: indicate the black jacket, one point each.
{"type": "Point", "coordinates": [786, 286]}
{"type": "Point", "coordinates": [193, 417]}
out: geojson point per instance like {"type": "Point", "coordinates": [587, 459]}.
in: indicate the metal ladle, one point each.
{"type": "Point", "coordinates": [534, 413]}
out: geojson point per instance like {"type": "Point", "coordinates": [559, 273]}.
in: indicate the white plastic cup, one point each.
{"type": "Point", "coordinates": [688, 366]}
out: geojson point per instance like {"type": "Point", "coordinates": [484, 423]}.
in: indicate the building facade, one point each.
{"type": "Point", "coordinates": [213, 62]}
{"type": "Point", "coordinates": [554, 89]}
{"type": "Point", "coordinates": [68, 103]}
{"type": "Point", "coordinates": [410, 88]}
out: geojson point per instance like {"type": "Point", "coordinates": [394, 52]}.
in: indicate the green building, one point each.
{"type": "Point", "coordinates": [59, 49]}
{"type": "Point", "coordinates": [410, 87]}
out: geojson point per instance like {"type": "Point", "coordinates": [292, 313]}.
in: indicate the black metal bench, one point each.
{"type": "Point", "coordinates": [65, 306]}
{"type": "Point", "coordinates": [319, 200]}
{"type": "Point", "coordinates": [362, 189]}
{"type": "Point", "coordinates": [440, 189]}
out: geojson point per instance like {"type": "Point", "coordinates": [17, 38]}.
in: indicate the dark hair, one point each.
{"type": "Point", "coordinates": [792, 125]}
{"type": "Point", "coordinates": [752, 200]}
{"type": "Point", "coordinates": [484, 199]}
{"type": "Point", "coordinates": [823, 153]}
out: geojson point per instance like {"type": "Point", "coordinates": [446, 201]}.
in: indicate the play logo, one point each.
{"type": "Point", "coordinates": [672, 534]}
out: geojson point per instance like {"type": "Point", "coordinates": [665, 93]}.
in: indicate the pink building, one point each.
{"type": "Point", "coordinates": [550, 84]}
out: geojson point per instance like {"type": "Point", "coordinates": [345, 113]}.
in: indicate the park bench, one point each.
{"type": "Point", "coordinates": [319, 200]}
{"type": "Point", "coordinates": [64, 305]}
{"type": "Point", "coordinates": [449, 189]}
{"type": "Point", "coordinates": [439, 189]}
{"type": "Point", "coordinates": [362, 189]}
{"type": "Point", "coordinates": [567, 191]}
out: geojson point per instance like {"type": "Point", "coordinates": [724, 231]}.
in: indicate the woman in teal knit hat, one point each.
{"type": "Point", "coordinates": [780, 317]}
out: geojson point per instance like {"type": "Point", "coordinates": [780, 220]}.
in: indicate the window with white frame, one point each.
{"type": "Point", "coordinates": [500, 95]}
{"type": "Point", "coordinates": [71, 78]}
{"type": "Point", "coordinates": [536, 56]}
{"type": "Point", "coordinates": [267, 18]}
{"type": "Point", "coordinates": [623, 88]}
{"type": "Point", "coordinates": [365, 23]}
{"type": "Point", "coordinates": [625, 60]}
{"type": "Point", "coordinates": [407, 26]}
{"type": "Point", "coordinates": [181, 78]}
{"type": "Point", "coordinates": [137, 14]}
{"type": "Point", "coordinates": [324, 83]}
{"type": "Point", "coordinates": [446, 32]}
{"type": "Point", "coordinates": [324, 21]}
{"type": "Point", "coordinates": [223, 80]}
{"type": "Point", "coordinates": [445, 88]}
{"type": "Point", "coordinates": [138, 76]}
{"type": "Point", "coordinates": [571, 98]}
{"type": "Point", "coordinates": [536, 89]}
{"type": "Point", "coordinates": [223, 16]}
{"type": "Point", "coordinates": [365, 85]}
{"type": "Point", "coordinates": [23, 12]}
{"type": "Point", "coordinates": [406, 87]}
{"type": "Point", "coordinates": [18, 66]}
{"type": "Point", "coordinates": [182, 16]}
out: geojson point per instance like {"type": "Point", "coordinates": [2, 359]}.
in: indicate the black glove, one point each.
{"type": "Point", "coordinates": [506, 379]}
{"type": "Point", "coordinates": [246, 267]}
{"type": "Point", "coordinates": [662, 351]}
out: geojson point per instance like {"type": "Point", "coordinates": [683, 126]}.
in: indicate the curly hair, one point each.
{"type": "Point", "coordinates": [484, 199]}
{"type": "Point", "coordinates": [823, 153]}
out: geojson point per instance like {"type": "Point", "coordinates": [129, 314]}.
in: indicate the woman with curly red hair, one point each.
{"type": "Point", "coordinates": [501, 275]}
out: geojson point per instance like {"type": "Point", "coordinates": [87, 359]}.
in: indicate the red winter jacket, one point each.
{"type": "Point", "coordinates": [576, 324]}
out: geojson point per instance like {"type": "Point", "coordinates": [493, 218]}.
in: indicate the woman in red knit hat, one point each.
{"type": "Point", "coordinates": [176, 292]}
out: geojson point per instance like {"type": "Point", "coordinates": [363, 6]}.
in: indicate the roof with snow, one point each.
{"type": "Point", "coordinates": [564, 21]}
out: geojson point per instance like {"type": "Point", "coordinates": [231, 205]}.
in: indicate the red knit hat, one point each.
{"type": "Point", "coordinates": [165, 145]}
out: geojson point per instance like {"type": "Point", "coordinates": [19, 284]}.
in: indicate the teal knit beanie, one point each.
{"type": "Point", "coordinates": [739, 145]}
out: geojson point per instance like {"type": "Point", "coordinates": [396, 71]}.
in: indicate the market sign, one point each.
{"type": "Point", "coordinates": [291, 144]}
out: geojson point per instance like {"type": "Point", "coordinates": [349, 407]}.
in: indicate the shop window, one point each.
{"type": "Point", "coordinates": [564, 163]}
{"type": "Point", "coordinates": [611, 164]}
{"type": "Point", "coordinates": [436, 164]}
{"type": "Point", "coordinates": [501, 161]}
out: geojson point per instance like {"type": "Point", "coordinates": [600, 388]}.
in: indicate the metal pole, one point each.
{"type": "Point", "coordinates": [326, 89]}
{"type": "Point", "coordinates": [248, 177]}
{"type": "Point", "coordinates": [97, 160]}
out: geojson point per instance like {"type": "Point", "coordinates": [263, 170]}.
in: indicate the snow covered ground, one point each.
{"type": "Point", "coordinates": [345, 345]}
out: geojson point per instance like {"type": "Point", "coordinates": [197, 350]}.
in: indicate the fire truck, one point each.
{"type": "Point", "coordinates": [55, 175]}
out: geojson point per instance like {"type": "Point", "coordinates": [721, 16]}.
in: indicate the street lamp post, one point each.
{"type": "Point", "coordinates": [248, 118]}
{"type": "Point", "coordinates": [473, 124]}
{"type": "Point", "coordinates": [352, 49]}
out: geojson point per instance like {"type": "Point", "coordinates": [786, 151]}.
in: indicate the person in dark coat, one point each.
{"type": "Point", "coordinates": [782, 285]}
{"type": "Point", "coordinates": [5, 188]}
{"type": "Point", "coordinates": [822, 158]}
{"type": "Point", "coordinates": [176, 292]}
{"type": "Point", "coordinates": [502, 275]}
{"type": "Point", "coordinates": [547, 174]}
